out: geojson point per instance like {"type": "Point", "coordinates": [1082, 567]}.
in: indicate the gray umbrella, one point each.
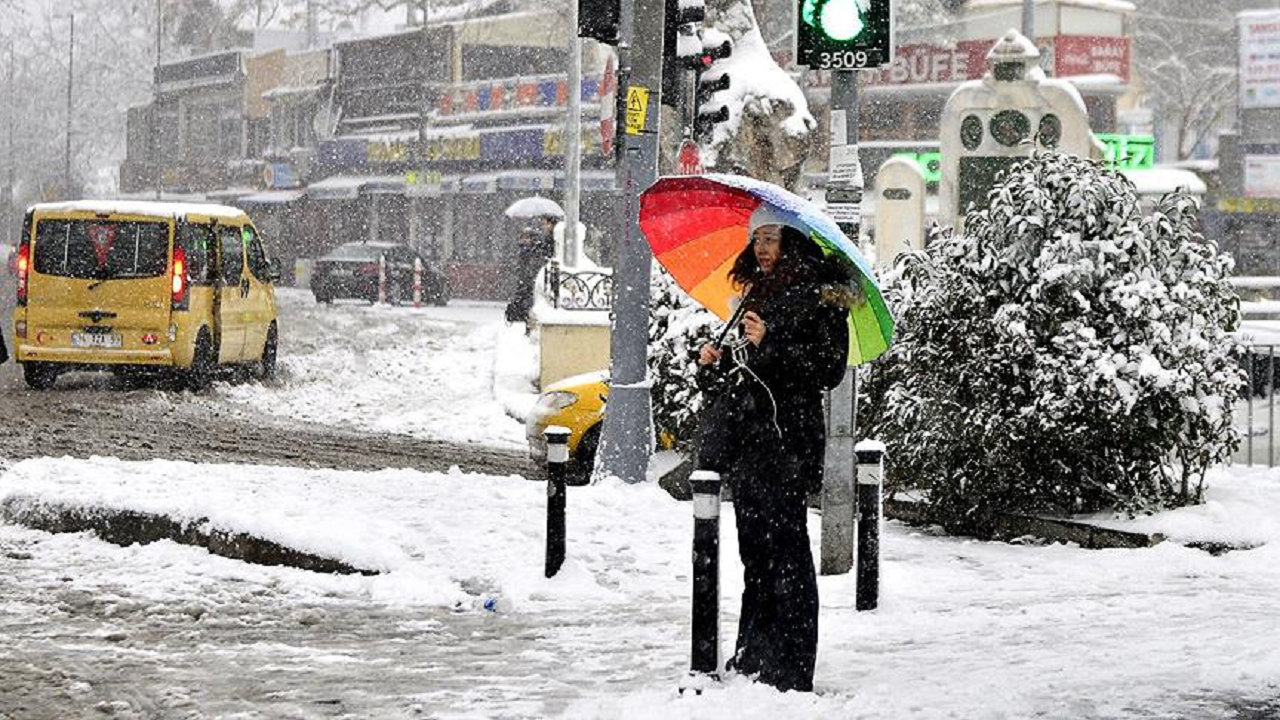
{"type": "Point", "coordinates": [532, 207]}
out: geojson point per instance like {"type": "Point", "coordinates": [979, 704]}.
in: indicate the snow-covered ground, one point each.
{"type": "Point", "coordinates": [965, 629]}
{"type": "Point", "coordinates": [454, 373]}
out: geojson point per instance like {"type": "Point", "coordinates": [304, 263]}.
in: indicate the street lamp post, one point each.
{"type": "Point", "coordinates": [627, 438]}
{"type": "Point", "coordinates": [155, 101]}
{"type": "Point", "coordinates": [573, 144]}
{"type": "Point", "coordinates": [71, 63]}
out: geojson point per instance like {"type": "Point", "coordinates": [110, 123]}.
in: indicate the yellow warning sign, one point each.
{"type": "Point", "coordinates": [637, 109]}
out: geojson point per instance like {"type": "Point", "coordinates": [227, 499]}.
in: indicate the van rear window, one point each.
{"type": "Point", "coordinates": [100, 249]}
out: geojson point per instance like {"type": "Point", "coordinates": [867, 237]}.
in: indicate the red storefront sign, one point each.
{"type": "Point", "coordinates": [929, 64]}
{"type": "Point", "coordinates": [1080, 55]}
{"type": "Point", "coordinates": [1069, 55]}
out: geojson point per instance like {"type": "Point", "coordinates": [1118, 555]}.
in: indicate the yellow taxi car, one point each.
{"type": "Point", "coordinates": [576, 403]}
{"type": "Point", "coordinates": [106, 285]}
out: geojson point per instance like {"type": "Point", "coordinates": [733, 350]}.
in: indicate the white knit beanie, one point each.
{"type": "Point", "coordinates": [767, 214]}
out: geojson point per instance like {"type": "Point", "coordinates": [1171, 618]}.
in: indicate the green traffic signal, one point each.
{"type": "Point", "coordinates": [840, 20]}
{"type": "Point", "coordinates": [844, 34]}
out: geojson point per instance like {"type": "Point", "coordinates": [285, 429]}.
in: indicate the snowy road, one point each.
{"type": "Point", "coordinates": [359, 388]}
{"type": "Point", "coordinates": [966, 630]}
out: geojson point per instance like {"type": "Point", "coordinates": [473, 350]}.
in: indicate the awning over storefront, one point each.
{"type": "Point", "coordinates": [486, 183]}
{"type": "Point", "coordinates": [228, 194]}
{"type": "Point", "coordinates": [591, 180]}
{"type": "Point", "coordinates": [338, 187]}
{"type": "Point", "coordinates": [272, 197]}
{"type": "Point", "coordinates": [444, 185]}
{"type": "Point", "coordinates": [383, 185]}
{"type": "Point", "coordinates": [526, 180]}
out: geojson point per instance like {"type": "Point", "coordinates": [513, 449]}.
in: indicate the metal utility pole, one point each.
{"type": "Point", "coordinates": [1029, 19]}
{"type": "Point", "coordinates": [424, 109]}
{"type": "Point", "coordinates": [71, 62]}
{"type": "Point", "coordinates": [313, 24]}
{"type": "Point", "coordinates": [573, 144]}
{"type": "Point", "coordinates": [628, 426]}
{"type": "Point", "coordinates": [13, 162]}
{"type": "Point", "coordinates": [155, 101]}
{"type": "Point", "coordinates": [844, 197]}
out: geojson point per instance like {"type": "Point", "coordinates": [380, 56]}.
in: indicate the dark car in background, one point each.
{"type": "Point", "coordinates": [351, 271]}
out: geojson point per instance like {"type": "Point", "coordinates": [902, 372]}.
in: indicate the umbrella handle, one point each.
{"type": "Point", "coordinates": [734, 319]}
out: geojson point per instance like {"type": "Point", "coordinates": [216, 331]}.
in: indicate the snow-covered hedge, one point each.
{"type": "Point", "coordinates": [1065, 354]}
{"type": "Point", "coordinates": [678, 326]}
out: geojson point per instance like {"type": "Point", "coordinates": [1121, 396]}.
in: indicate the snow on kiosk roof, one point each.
{"type": "Point", "coordinates": [144, 208]}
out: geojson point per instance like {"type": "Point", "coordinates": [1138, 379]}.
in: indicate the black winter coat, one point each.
{"type": "Point", "coordinates": [803, 353]}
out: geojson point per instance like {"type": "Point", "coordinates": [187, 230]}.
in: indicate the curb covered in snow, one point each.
{"type": "Point", "coordinates": [1008, 526]}
{"type": "Point", "coordinates": [128, 527]}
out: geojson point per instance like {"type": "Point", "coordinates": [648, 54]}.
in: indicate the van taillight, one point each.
{"type": "Point", "coordinates": [179, 279]}
{"type": "Point", "coordinates": [24, 271]}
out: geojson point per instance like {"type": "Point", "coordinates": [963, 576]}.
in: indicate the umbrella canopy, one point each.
{"type": "Point", "coordinates": [532, 207]}
{"type": "Point", "coordinates": [697, 226]}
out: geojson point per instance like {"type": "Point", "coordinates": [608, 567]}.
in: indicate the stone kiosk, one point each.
{"type": "Point", "coordinates": [1014, 110]}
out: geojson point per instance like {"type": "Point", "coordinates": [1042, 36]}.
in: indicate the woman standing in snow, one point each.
{"type": "Point", "coordinates": [795, 347]}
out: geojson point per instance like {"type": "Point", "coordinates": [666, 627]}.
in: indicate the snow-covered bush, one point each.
{"type": "Point", "coordinates": [1064, 354]}
{"type": "Point", "coordinates": [678, 326]}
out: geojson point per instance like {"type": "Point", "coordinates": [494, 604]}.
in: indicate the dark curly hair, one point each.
{"type": "Point", "coordinates": [798, 257]}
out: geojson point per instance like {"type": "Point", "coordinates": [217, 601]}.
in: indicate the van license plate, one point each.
{"type": "Point", "coordinates": [95, 340]}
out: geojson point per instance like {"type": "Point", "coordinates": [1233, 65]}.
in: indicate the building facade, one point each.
{"type": "Point", "coordinates": [422, 136]}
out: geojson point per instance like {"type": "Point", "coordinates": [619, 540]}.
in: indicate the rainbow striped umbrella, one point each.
{"type": "Point", "coordinates": [697, 226]}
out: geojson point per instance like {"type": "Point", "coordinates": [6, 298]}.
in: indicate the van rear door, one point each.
{"type": "Point", "coordinates": [100, 282]}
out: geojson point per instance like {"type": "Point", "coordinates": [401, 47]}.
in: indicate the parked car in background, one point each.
{"type": "Point", "coordinates": [351, 271]}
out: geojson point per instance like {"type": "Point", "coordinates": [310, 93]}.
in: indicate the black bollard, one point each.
{"type": "Point", "coordinates": [557, 465]}
{"type": "Point", "coordinates": [705, 657]}
{"type": "Point", "coordinates": [870, 454]}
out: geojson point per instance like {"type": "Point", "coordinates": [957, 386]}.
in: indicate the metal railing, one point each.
{"type": "Point", "coordinates": [579, 289]}
{"type": "Point", "coordinates": [1255, 417]}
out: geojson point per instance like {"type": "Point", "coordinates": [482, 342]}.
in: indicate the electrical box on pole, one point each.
{"type": "Point", "coordinates": [844, 34]}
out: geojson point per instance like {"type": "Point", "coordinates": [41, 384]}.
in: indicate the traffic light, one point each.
{"type": "Point", "coordinates": [712, 81]}
{"type": "Point", "coordinates": [685, 34]}
{"type": "Point", "coordinates": [598, 20]}
{"type": "Point", "coordinates": [681, 46]}
{"type": "Point", "coordinates": [844, 34]}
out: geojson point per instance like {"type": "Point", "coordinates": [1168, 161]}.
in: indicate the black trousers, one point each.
{"type": "Point", "coordinates": [778, 629]}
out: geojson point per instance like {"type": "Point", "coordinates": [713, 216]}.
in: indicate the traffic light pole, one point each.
{"type": "Point", "coordinates": [843, 196]}
{"type": "Point", "coordinates": [628, 425]}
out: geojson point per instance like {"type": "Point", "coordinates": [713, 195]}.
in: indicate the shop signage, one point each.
{"type": "Point", "coordinates": [205, 70]}
{"type": "Point", "coordinates": [553, 144]}
{"type": "Point", "coordinates": [1075, 55]}
{"type": "Point", "coordinates": [930, 164]}
{"type": "Point", "coordinates": [454, 149]}
{"type": "Point", "coordinates": [1262, 176]}
{"type": "Point", "coordinates": [1260, 59]}
{"type": "Point", "coordinates": [495, 147]}
{"type": "Point", "coordinates": [1129, 152]}
{"type": "Point", "coordinates": [1249, 205]}
{"type": "Point", "coordinates": [279, 176]}
{"type": "Point", "coordinates": [505, 95]}
{"type": "Point", "coordinates": [394, 151]}
{"type": "Point", "coordinates": [1062, 56]}
{"type": "Point", "coordinates": [423, 177]}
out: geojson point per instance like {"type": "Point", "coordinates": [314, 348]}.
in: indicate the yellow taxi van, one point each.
{"type": "Point", "coordinates": [113, 285]}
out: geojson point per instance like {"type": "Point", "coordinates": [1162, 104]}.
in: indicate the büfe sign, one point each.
{"type": "Point", "coordinates": [1068, 55]}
